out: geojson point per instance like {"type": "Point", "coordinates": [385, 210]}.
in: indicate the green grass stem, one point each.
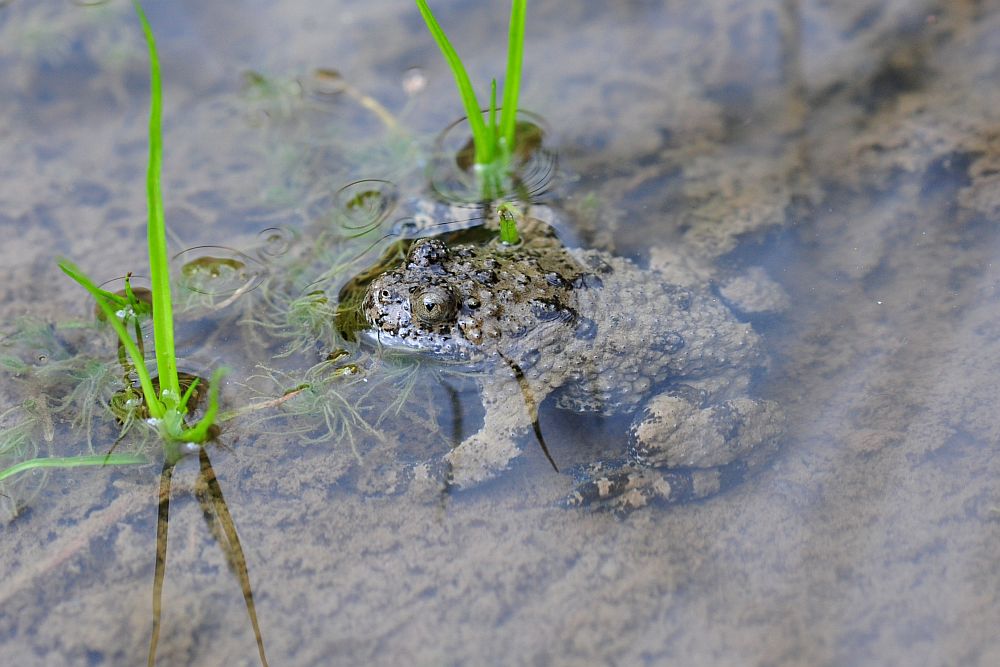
{"type": "Point", "coordinates": [512, 81]}
{"type": "Point", "coordinates": [493, 107]}
{"type": "Point", "coordinates": [72, 462]}
{"type": "Point", "coordinates": [168, 407]}
{"type": "Point", "coordinates": [156, 231]}
{"type": "Point", "coordinates": [484, 144]}
{"type": "Point", "coordinates": [200, 431]}
{"type": "Point", "coordinates": [494, 143]}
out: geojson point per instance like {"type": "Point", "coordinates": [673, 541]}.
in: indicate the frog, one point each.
{"type": "Point", "coordinates": [599, 333]}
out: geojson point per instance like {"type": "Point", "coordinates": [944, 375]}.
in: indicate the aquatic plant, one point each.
{"type": "Point", "coordinates": [164, 403]}
{"type": "Point", "coordinates": [337, 400]}
{"type": "Point", "coordinates": [321, 405]}
{"type": "Point", "coordinates": [167, 407]}
{"type": "Point", "coordinates": [71, 462]}
{"type": "Point", "coordinates": [509, 214]}
{"type": "Point", "coordinates": [58, 382]}
{"type": "Point", "coordinates": [303, 321]}
{"type": "Point", "coordinates": [494, 143]}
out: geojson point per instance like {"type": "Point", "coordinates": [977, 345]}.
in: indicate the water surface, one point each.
{"type": "Point", "coordinates": [853, 152]}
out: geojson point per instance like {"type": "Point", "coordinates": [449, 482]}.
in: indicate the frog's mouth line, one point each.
{"type": "Point", "coordinates": [453, 353]}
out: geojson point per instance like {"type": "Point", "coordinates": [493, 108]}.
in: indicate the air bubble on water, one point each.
{"type": "Point", "coordinates": [414, 81]}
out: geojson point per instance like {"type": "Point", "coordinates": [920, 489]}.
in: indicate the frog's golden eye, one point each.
{"type": "Point", "coordinates": [433, 305]}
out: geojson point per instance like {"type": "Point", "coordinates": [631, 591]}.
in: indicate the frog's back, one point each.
{"type": "Point", "coordinates": [639, 333]}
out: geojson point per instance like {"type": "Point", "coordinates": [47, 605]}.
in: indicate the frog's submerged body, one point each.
{"type": "Point", "coordinates": [606, 335]}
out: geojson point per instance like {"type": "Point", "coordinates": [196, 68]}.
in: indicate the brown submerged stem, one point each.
{"type": "Point", "coordinates": [162, 518]}
{"type": "Point", "coordinates": [223, 529]}
{"type": "Point", "coordinates": [220, 524]}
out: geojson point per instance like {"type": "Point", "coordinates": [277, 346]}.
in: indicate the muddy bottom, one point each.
{"type": "Point", "coordinates": [852, 154]}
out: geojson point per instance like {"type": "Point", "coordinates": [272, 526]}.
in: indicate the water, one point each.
{"type": "Point", "coordinates": [851, 152]}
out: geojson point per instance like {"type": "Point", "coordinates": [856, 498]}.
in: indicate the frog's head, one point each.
{"type": "Point", "coordinates": [421, 306]}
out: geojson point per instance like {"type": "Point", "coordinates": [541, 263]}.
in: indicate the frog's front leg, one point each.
{"type": "Point", "coordinates": [682, 449]}
{"type": "Point", "coordinates": [510, 412]}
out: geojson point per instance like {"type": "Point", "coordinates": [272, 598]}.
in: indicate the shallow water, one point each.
{"type": "Point", "coordinates": [854, 153]}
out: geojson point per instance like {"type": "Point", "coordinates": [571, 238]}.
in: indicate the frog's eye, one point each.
{"type": "Point", "coordinates": [433, 305]}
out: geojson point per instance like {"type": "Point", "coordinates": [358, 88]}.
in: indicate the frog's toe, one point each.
{"type": "Point", "coordinates": [625, 487]}
{"type": "Point", "coordinates": [479, 458]}
{"type": "Point", "coordinates": [628, 486]}
{"type": "Point", "coordinates": [476, 460]}
{"type": "Point", "coordinates": [677, 433]}
{"type": "Point", "coordinates": [436, 472]}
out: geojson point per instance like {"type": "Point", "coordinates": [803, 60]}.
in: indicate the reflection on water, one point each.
{"type": "Point", "coordinates": [223, 530]}
{"type": "Point", "coordinates": [850, 152]}
{"type": "Point", "coordinates": [452, 176]}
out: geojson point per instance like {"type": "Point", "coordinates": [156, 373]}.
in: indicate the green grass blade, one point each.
{"type": "Point", "coordinates": [116, 301]}
{"type": "Point", "coordinates": [131, 300]}
{"type": "Point", "coordinates": [72, 462]}
{"type": "Point", "coordinates": [512, 82]}
{"type": "Point", "coordinates": [493, 111]}
{"type": "Point", "coordinates": [190, 392]}
{"type": "Point", "coordinates": [484, 146]}
{"type": "Point", "coordinates": [199, 432]}
{"type": "Point", "coordinates": [163, 320]}
{"type": "Point", "coordinates": [107, 306]}
{"type": "Point", "coordinates": [508, 214]}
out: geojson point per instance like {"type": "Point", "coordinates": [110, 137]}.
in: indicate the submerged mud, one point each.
{"type": "Point", "coordinates": [851, 153]}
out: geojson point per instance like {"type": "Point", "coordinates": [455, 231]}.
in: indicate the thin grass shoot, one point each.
{"type": "Point", "coordinates": [494, 143]}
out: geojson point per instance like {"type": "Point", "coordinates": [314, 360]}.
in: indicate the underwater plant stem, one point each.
{"type": "Point", "coordinates": [72, 462]}
{"type": "Point", "coordinates": [160, 567]}
{"type": "Point", "coordinates": [512, 81]}
{"type": "Point", "coordinates": [223, 528]}
{"type": "Point", "coordinates": [373, 105]}
{"type": "Point", "coordinates": [262, 405]}
{"type": "Point", "coordinates": [163, 321]}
